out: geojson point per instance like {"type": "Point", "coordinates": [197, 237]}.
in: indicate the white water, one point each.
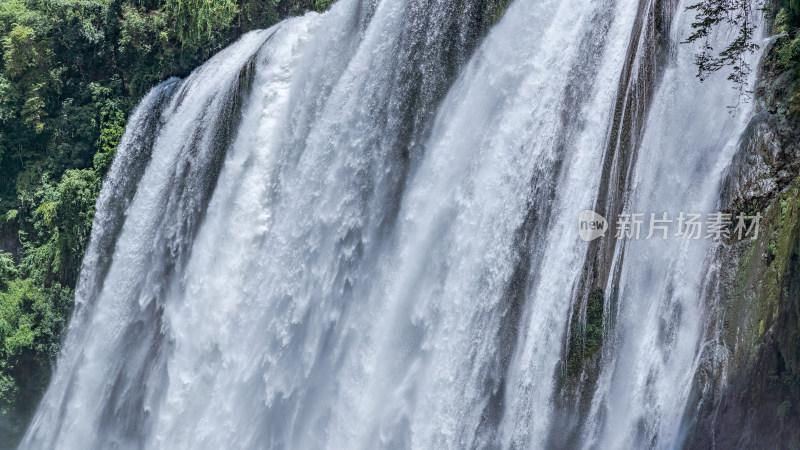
{"type": "Point", "coordinates": [659, 341]}
{"type": "Point", "coordinates": [347, 280]}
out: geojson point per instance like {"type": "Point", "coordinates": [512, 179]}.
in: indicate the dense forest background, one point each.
{"type": "Point", "coordinates": [70, 73]}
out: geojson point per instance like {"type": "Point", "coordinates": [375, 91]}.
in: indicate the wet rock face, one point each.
{"type": "Point", "coordinates": [752, 400]}
{"type": "Point", "coordinates": [757, 402]}
{"type": "Point", "coordinates": [757, 170]}
{"type": "Point", "coordinates": [773, 96]}
{"type": "Point", "coordinates": [769, 156]}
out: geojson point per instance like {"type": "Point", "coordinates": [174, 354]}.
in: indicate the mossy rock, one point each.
{"type": "Point", "coordinates": [586, 336]}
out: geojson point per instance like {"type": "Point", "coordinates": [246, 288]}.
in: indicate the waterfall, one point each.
{"type": "Point", "coordinates": [358, 229]}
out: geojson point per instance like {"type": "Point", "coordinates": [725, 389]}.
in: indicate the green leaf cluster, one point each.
{"type": "Point", "coordinates": [32, 320]}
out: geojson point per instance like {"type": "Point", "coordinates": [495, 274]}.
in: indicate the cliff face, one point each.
{"type": "Point", "coordinates": [749, 394]}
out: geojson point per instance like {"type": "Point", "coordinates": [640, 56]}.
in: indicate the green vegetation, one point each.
{"type": "Point", "coordinates": [31, 322]}
{"type": "Point", "coordinates": [765, 268]}
{"type": "Point", "coordinates": [763, 320]}
{"type": "Point", "coordinates": [586, 336]}
{"type": "Point", "coordinates": [70, 72]}
{"type": "Point", "coordinates": [785, 57]}
{"type": "Point", "coordinates": [495, 10]}
{"type": "Point", "coordinates": [786, 24]}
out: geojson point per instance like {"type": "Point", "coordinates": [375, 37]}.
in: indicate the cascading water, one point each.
{"type": "Point", "coordinates": [356, 230]}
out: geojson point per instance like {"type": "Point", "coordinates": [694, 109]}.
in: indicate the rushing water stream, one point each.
{"type": "Point", "coordinates": [359, 230]}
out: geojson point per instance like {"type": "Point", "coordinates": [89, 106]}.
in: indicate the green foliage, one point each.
{"type": "Point", "coordinates": [145, 42]}
{"type": "Point", "coordinates": [594, 322]}
{"type": "Point", "coordinates": [8, 392]}
{"type": "Point", "coordinates": [8, 271]}
{"type": "Point", "coordinates": [321, 5]}
{"type": "Point", "coordinates": [786, 52]}
{"type": "Point", "coordinates": [61, 225]}
{"type": "Point", "coordinates": [296, 7]}
{"type": "Point", "coordinates": [32, 320]}
{"type": "Point", "coordinates": [772, 251]}
{"type": "Point", "coordinates": [27, 63]}
{"type": "Point", "coordinates": [72, 70]}
{"type": "Point", "coordinates": [200, 21]}
{"type": "Point", "coordinates": [586, 336]}
{"type": "Point", "coordinates": [111, 122]}
{"type": "Point", "coordinates": [495, 10]}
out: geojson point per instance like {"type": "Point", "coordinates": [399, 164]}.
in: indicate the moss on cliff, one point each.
{"type": "Point", "coordinates": [758, 406]}
{"type": "Point", "coordinates": [495, 10]}
{"type": "Point", "coordinates": [586, 336]}
{"type": "Point", "coordinates": [767, 275]}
